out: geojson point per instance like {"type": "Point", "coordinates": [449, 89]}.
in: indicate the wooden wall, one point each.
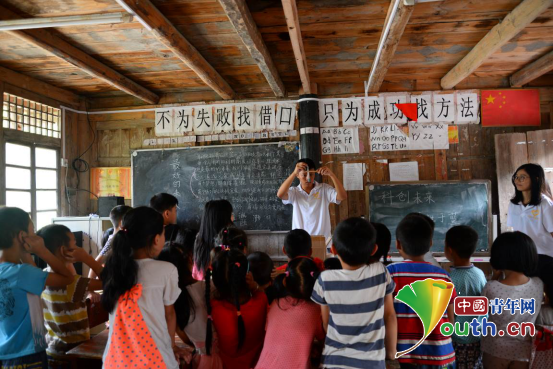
{"type": "Point", "coordinates": [472, 158]}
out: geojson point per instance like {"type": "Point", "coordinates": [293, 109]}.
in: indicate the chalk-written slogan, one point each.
{"type": "Point", "coordinates": [388, 138]}
{"type": "Point", "coordinates": [339, 141]}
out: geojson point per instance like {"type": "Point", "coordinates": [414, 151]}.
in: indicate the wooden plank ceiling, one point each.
{"type": "Point", "coordinates": [339, 40]}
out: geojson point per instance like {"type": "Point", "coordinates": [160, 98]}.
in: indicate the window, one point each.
{"type": "Point", "coordinates": [32, 181]}
{"type": "Point", "coordinates": [29, 116]}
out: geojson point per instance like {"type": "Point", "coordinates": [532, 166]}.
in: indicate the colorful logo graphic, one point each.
{"type": "Point", "coordinates": [429, 299]}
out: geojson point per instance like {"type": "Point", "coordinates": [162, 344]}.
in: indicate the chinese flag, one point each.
{"type": "Point", "coordinates": [510, 108]}
{"type": "Point", "coordinates": [409, 110]}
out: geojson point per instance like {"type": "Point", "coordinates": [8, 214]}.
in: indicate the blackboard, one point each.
{"type": "Point", "coordinates": [246, 175]}
{"type": "Point", "coordinates": [449, 203]}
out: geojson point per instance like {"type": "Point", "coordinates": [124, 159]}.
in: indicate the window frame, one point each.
{"type": "Point", "coordinates": [33, 190]}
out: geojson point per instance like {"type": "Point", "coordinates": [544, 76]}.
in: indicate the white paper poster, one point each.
{"type": "Point", "coordinates": [203, 119]}
{"type": "Point", "coordinates": [328, 113]}
{"type": "Point", "coordinates": [388, 138]}
{"type": "Point", "coordinates": [444, 108]}
{"type": "Point", "coordinates": [165, 118]}
{"type": "Point", "coordinates": [375, 113]}
{"type": "Point", "coordinates": [224, 118]}
{"type": "Point", "coordinates": [353, 176]}
{"type": "Point", "coordinates": [244, 118]}
{"type": "Point", "coordinates": [424, 107]}
{"type": "Point", "coordinates": [339, 141]}
{"type": "Point", "coordinates": [467, 108]}
{"type": "Point", "coordinates": [428, 136]}
{"type": "Point", "coordinates": [183, 120]}
{"type": "Point", "coordinates": [352, 112]}
{"type": "Point", "coordinates": [404, 171]}
{"type": "Point", "coordinates": [393, 114]}
{"type": "Point", "coordinates": [265, 117]}
{"type": "Point", "coordinates": [286, 116]}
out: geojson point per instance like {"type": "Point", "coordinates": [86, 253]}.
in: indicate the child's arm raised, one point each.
{"type": "Point", "coordinates": [390, 325]}
{"type": "Point", "coordinates": [80, 255]}
{"type": "Point", "coordinates": [92, 274]}
{"type": "Point", "coordinates": [61, 276]}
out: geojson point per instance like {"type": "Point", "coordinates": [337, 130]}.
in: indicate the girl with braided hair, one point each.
{"type": "Point", "coordinates": [238, 315]}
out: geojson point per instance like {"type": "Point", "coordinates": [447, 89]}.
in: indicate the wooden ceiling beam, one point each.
{"type": "Point", "coordinates": [293, 23]}
{"type": "Point", "coordinates": [39, 87]}
{"type": "Point", "coordinates": [244, 24]}
{"type": "Point", "coordinates": [532, 70]}
{"type": "Point", "coordinates": [166, 33]}
{"type": "Point", "coordinates": [49, 41]}
{"type": "Point", "coordinates": [388, 42]}
{"type": "Point", "coordinates": [513, 23]}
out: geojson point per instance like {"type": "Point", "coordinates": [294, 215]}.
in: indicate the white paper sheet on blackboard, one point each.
{"type": "Point", "coordinates": [353, 176]}
{"type": "Point", "coordinates": [404, 171]}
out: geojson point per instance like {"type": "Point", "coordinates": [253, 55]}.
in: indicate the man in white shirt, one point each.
{"type": "Point", "coordinates": [311, 199]}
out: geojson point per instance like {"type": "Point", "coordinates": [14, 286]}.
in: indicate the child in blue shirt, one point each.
{"type": "Point", "coordinates": [22, 330]}
{"type": "Point", "coordinates": [460, 244]}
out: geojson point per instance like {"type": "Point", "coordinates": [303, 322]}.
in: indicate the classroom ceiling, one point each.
{"type": "Point", "coordinates": [340, 39]}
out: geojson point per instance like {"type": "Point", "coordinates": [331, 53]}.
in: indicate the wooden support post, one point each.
{"type": "Point", "coordinates": [244, 24]}
{"type": "Point", "coordinates": [2, 150]}
{"type": "Point", "coordinates": [513, 23]}
{"type": "Point", "coordinates": [532, 70]}
{"type": "Point", "coordinates": [310, 143]}
{"type": "Point", "coordinates": [293, 23]}
{"type": "Point", "coordinates": [389, 42]}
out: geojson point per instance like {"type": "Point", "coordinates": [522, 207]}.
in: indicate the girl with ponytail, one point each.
{"type": "Point", "coordinates": [238, 315]}
{"type": "Point", "coordinates": [293, 320]}
{"type": "Point", "coordinates": [139, 293]}
{"type": "Point", "coordinates": [216, 216]}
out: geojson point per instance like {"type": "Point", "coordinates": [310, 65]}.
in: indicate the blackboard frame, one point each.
{"type": "Point", "coordinates": [207, 147]}
{"type": "Point", "coordinates": [487, 182]}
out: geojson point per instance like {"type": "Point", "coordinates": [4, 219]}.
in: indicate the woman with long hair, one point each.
{"type": "Point", "coordinates": [531, 212]}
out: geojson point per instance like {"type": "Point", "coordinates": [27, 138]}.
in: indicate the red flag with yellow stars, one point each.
{"type": "Point", "coordinates": [510, 108]}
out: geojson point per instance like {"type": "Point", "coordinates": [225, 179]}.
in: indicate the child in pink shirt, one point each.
{"type": "Point", "coordinates": [293, 320]}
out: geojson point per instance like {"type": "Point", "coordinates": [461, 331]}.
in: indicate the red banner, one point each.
{"type": "Point", "coordinates": [510, 108]}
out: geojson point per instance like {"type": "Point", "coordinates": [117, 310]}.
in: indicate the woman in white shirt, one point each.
{"type": "Point", "coordinates": [531, 212]}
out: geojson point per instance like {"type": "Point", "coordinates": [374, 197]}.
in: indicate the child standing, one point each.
{"type": "Point", "coordinates": [22, 331]}
{"type": "Point", "coordinates": [261, 266]}
{"type": "Point", "coordinates": [460, 244]}
{"type": "Point", "coordinates": [515, 256]}
{"type": "Point", "coordinates": [413, 241]}
{"type": "Point", "coordinates": [293, 320]}
{"type": "Point", "coordinates": [65, 308]}
{"type": "Point", "coordinates": [238, 315]}
{"type": "Point", "coordinates": [356, 302]}
{"type": "Point", "coordinates": [139, 293]}
{"type": "Point", "coordinates": [383, 241]}
{"type": "Point", "coordinates": [297, 244]}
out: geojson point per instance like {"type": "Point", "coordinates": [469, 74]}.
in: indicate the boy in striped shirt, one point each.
{"type": "Point", "coordinates": [356, 302]}
{"type": "Point", "coordinates": [413, 241]}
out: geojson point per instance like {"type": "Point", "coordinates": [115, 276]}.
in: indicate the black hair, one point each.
{"type": "Point", "coordinates": [163, 201]}
{"type": "Point", "coordinates": [425, 217]}
{"type": "Point", "coordinates": [55, 236]}
{"type": "Point", "coordinates": [415, 235]}
{"type": "Point", "coordinates": [185, 238]}
{"type": "Point", "coordinates": [539, 184]}
{"type": "Point", "coordinates": [177, 255]}
{"type": "Point", "coordinates": [216, 216]}
{"type": "Point", "coordinates": [12, 221]}
{"type": "Point", "coordinates": [141, 226]}
{"type": "Point", "coordinates": [300, 276]}
{"type": "Point", "coordinates": [514, 251]}
{"type": "Point", "coordinates": [297, 243]}
{"type": "Point", "coordinates": [310, 163]}
{"type": "Point", "coordinates": [332, 264]}
{"type": "Point", "coordinates": [463, 239]}
{"type": "Point", "coordinates": [116, 214]}
{"type": "Point", "coordinates": [354, 240]}
{"type": "Point", "coordinates": [261, 266]}
{"type": "Point", "coordinates": [233, 238]}
{"type": "Point", "coordinates": [383, 241]}
{"type": "Point", "coordinates": [229, 277]}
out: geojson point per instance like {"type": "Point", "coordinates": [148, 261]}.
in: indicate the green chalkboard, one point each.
{"type": "Point", "coordinates": [449, 203]}
{"type": "Point", "coordinates": [246, 175]}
